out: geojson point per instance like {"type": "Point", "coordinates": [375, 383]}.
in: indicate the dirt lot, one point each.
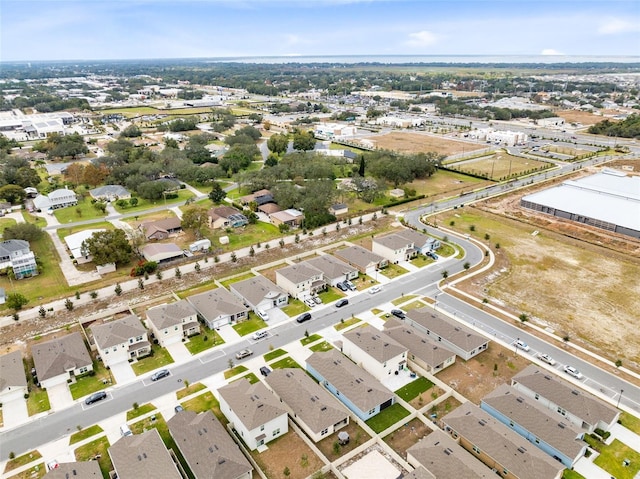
{"type": "Point", "coordinates": [575, 116]}
{"type": "Point", "coordinates": [499, 165]}
{"type": "Point", "coordinates": [288, 451]}
{"type": "Point", "coordinates": [357, 436]}
{"type": "Point", "coordinates": [442, 409]}
{"type": "Point", "coordinates": [403, 438]}
{"type": "Point", "coordinates": [417, 142]}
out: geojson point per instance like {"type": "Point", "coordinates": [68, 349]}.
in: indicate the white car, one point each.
{"type": "Point", "coordinates": [258, 335]}
{"type": "Point", "coordinates": [310, 302]}
{"type": "Point", "coordinates": [545, 358]}
{"type": "Point", "coordinates": [263, 314]}
{"type": "Point", "coordinates": [571, 371]}
{"type": "Point", "coordinates": [375, 289]}
{"type": "Point", "coordinates": [522, 345]}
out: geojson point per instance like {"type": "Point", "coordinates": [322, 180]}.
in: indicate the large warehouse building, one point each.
{"type": "Point", "coordinates": [609, 200]}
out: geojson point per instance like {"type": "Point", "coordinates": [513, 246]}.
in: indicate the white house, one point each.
{"type": "Point", "coordinates": [74, 243]}
{"type": "Point", "coordinates": [254, 412]}
{"type": "Point", "coordinates": [61, 359]}
{"type": "Point", "coordinates": [172, 322]}
{"type": "Point", "coordinates": [110, 193]}
{"type": "Point", "coordinates": [260, 293]}
{"type": "Point", "coordinates": [374, 351]}
{"type": "Point", "coordinates": [17, 255]}
{"type": "Point", "coordinates": [218, 307]}
{"type": "Point", "coordinates": [121, 340]}
{"type": "Point", "coordinates": [300, 280]}
{"type": "Point", "coordinates": [13, 383]}
{"type": "Point", "coordinates": [60, 198]}
{"type": "Point", "coordinates": [334, 271]}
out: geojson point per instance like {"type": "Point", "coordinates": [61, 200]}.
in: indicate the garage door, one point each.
{"type": "Point", "coordinates": [386, 404]}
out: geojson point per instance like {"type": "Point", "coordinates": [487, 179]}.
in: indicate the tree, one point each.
{"type": "Point", "coordinates": [12, 193]}
{"type": "Point", "coordinates": [445, 274]}
{"type": "Point", "coordinates": [217, 194]}
{"type": "Point", "coordinates": [16, 301]}
{"type": "Point", "coordinates": [94, 175]}
{"type": "Point", "coordinates": [24, 231]}
{"type": "Point", "coordinates": [132, 131]}
{"type": "Point", "coordinates": [466, 265]}
{"type": "Point", "coordinates": [278, 143]}
{"type": "Point", "coordinates": [303, 140]}
{"type": "Point", "coordinates": [195, 218]}
{"type": "Point", "coordinates": [68, 304]}
{"type": "Point", "coordinates": [109, 246]}
{"type": "Point", "coordinates": [118, 289]}
{"type": "Point", "coordinates": [361, 168]}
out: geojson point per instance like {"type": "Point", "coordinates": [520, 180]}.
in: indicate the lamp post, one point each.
{"type": "Point", "coordinates": [619, 397]}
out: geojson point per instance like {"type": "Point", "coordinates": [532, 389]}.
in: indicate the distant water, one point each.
{"type": "Point", "coordinates": [452, 59]}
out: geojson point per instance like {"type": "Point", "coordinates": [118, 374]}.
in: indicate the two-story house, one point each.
{"type": "Point", "coordinates": [394, 247]}
{"type": "Point", "coordinates": [61, 359]}
{"type": "Point", "coordinates": [260, 294]}
{"type": "Point", "coordinates": [60, 198]}
{"type": "Point", "coordinates": [218, 307]}
{"type": "Point", "coordinates": [121, 340]}
{"type": "Point", "coordinates": [374, 351]}
{"type": "Point", "coordinates": [334, 271]}
{"type": "Point", "coordinates": [364, 260]}
{"type": "Point", "coordinates": [142, 455]}
{"type": "Point", "coordinates": [300, 280]}
{"type": "Point", "coordinates": [170, 323]}
{"type": "Point", "coordinates": [17, 255]}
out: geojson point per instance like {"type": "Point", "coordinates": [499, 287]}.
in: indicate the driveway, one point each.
{"type": "Point", "coordinates": [60, 397]}
{"type": "Point", "coordinates": [179, 352]}
{"type": "Point", "coordinates": [123, 373]}
{"type": "Point", "coordinates": [228, 334]}
{"type": "Point", "coordinates": [14, 412]}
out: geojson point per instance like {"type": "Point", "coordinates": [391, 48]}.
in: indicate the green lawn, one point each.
{"type": "Point", "coordinates": [285, 363]}
{"type": "Point", "coordinates": [422, 260]}
{"type": "Point", "coordinates": [226, 283]}
{"type": "Point", "coordinates": [197, 288]}
{"type": "Point", "coordinates": [323, 346]}
{"type": "Point", "coordinates": [85, 433]}
{"type": "Point", "coordinates": [311, 339]}
{"type": "Point", "coordinates": [192, 389]}
{"type": "Point", "coordinates": [88, 384]}
{"type": "Point", "coordinates": [414, 388]}
{"type": "Point", "coordinates": [446, 250]}
{"type": "Point", "coordinates": [295, 307]}
{"type": "Point", "coordinates": [274, 354]}
{"type": "Point", "coordinates": [66, 231]}
{"type": "Point", "coordinates": [83, 211]}
{"type": "Point", "coordinates": [229, 373]}
{"type": "Point", "coordinates": [201, 403]}
{"type": "Point", "coordinates": [252, 378]}
{"type": "Point", "coordinates": [569, 474]}
{"type": "Point", "coordinates": [387, 418]}
{"type": "Point", "coordinates": [34, 472]}
{"type": "Point", "coordinates": [345, 324]}
{"type": "Point", "coordinates": [246, 236]}
{"type": "Point", "coordinates": [97, 448]}
{"type": "Point", "coordinates": [37, 220]}
{"type": "Point", "coordinates": [393, 271]}
{"type": "Point", "coordinates": [203, 341]}
{"type": "Point", "coordinates": [254, 323]}
{"type": "Point", "coordinates": [140, 411]}
{"type": "Point", "coordinates": [183, 195]}
{"type": "Point", "coordinates": [403, 299]}
{"type": "Point", "coordinates": [330, 295]}
{"type": "Point", "coordinates": [611, 460]}
{"type": "Point", "coordinates": [22, 460]}
{"type": "Point", "coordinates": [6, 222]}
{"type": "Point", "coordinates": [630, 422]}
{"type": "Point", "coordinates": [159, 358]}
{"type": "Point", "coordinates": [38, 401]}
{"type": "Point", "coordinates": [413, 305]}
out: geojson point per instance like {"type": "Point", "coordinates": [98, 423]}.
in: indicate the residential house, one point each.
{"type": "Point", "coordinates": [260, 293]}
{"type": "Point", "coordinates": [269, 208]}
{"type": "Point", "coordinates": [364, 260]}
{"type": "Point", "coordinates": [61, 359]}
{"type": "Point", "coordinates": [207, 447]}
{"type": "Point", "coordinates": [17, 255]}
{"type": "Point", "coordinates": [74, 244]}
{"type": "Point", "coordinates": [538, 425]}
{"type": "Point", "coordinates": [110, 193]}
{"type": "Point", "coordinates": [425, 353]}
{"type": "Point", "coordinates": [419, 473]}
{"type": "Point", "coordinates": [394, 247]}
{"type": "Point", "coordinates": [121, 340]}
{"type": "Point", "coordinates": [300, 280]}
{"type": "Point", "coordinates": [576, 406]}
{"type": "Point", "coordinates": [260, 197]}
{"type": "Point", "coordinates": [460, 339]}
{"type": "Point", "coordinates": [374, 351]}
{"type": "Point", "coordinates": [226, 217]}
{"type": "Point", "coordinates": [422, 243]}
{"type": "Point", "coordinates": [311, 406]}
{"type": "Point", "coordinates": [218, 307]}
{"type": "Point", "coordinates": [13, 383]}
{"type": "Point", "coordinates": [333, 270]}
{"type": "Point", "coordinates": [60, 198]}
{"type": "Point", "coordinates": [338, 209]}
{"type": "Point", "coordinates": [291, 217]}
{"type": "Point", "coordinates": [358, 390]}
{"type": "Point", "coordinates": [75, 470]}
{"type": "Point", "coordinates": [142, 455]}
{"type": "Point", "coordinates": [444, 458]}
{"type": "Point", "coordinates": [500, 448]}
{"type": "Point", "coordinates": [162, 252]}
{"type": "Point", "coordinates": [161, 229]}
{"type": "Point", "coordinates": [254, 412]}
{"type": "Point", "coordinates": [170, 323]}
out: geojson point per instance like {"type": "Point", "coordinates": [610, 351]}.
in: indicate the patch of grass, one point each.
{"type": "Point", "coordinates": [159, 358]}
{"type": "Point", "coordinates": [323, 346]}
{"type": "Point", "coordinates": [285, 363]}
{"type": "Point", "coordinates": [446, 250]}
{"type": "Point", "coordinates": [36, 220]}
{"type": "Point", "coordinates": [203, 341]}
{"type": "Point", "coordinates": [35, 472]}
{"type": "Point", "coordinates": [330, 295]}
{"type": "Point", "coordinates": [376, 311]}
{"type": "Point", "coordinates": [196, 289]}
{"type": "Point", "coordinates": [387, 418]}
{"type": "Point", "coordinates": [294, 308]}
{"type": "Point", "coordinates": [237, 279]}
{"type": "Point", "coordinates": [38, 401]}
{"type": "Point", "coordinates": [141, 411]}
{"type": "Point", "coordinates": [84, 434]}
{"type": "Point", "coordinates": [630, 422]}
{"type": "Point", "coordinates": [94, 449]}
{"type": "Point", "coordinates": [252, 378]}
{"type": "Point", "coordinates": [393, 271]}
{"type": "Point", "coordinates": [7, 222]}
{"type": "Point", "coordinates": [274, 354]}
{"type": "Point", "coordinates": [246, 236]}
{"type": "Point", "coordinates": [414, 389]}
{"type": "Point", "coordinates": [403, 299]}
{"type": "Point", "coordinates": [413, 305]}
{"type": "Point", "coordinates": [611, 460]}
{"type": "Point", "coordinates": [69, 230]}
{"type": "Point", "coordinates": [569, 474]}
{"type": "Point", "coordinates": [22, 460]}
{"type": "Point", "coordinates": [183, 195]}
{"type": "Point", "coordinates": [191, 389]}
{"type": "Point", "coordinates": [201, 403]}
{"type": "Point", "coordinates": [421, 260]}
{"type": "Point", "coordinates": [254, 323]}
{"type": "Point", "coordinates": [345, 324]}
{"type": "Point", "coordinates": [89, 384]}
{"type": "Point", "coordinates": [311, 339]}
{"type": "Point", "coordinates": [234, 371]}
{"type": "Point", "coordinates": [83, 211]}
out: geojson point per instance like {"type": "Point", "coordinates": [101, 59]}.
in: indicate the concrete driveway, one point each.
{"type": "Point", "coordinates": [15, 412]}
{"type": "Point", "coordinates": [123, 373]}
{"type": "Point", "coordinates": [59, 397]}
{"type": "Point", "coordinates": [179, 352]}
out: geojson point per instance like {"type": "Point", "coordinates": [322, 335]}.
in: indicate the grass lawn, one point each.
{"type": "Point", "coordinates": [323, 346]}
{"type": "Point", "coordinates": [630, 422]}
{"type": "Point", "coordinates": [64, 232]}
{"type": "Point", "coordinates": [226, 283]}
{"type": "Point", "coordinates": [285, 363]}
{"type": "Point", "coordinates": [246, 236]}
{"type": "Point", "coordinates": [611, 457]}
{"type": "Point", "coordinates": [295, 307]}
{"type": "Point", "coordinates": [414, 389]}
{"type": "Point", "coordinates": [413, 305]}
{"type": "Point", "coordinates": [83, 211]}
{"type": "Point", "coordinates": [393, 271]}
{"type": "Point", "coordinates": [196, 289]}
{"type": "Point", "coordinates": [311, 339]}
{"type": "Point", "coordinates": [330, 295]}
{"type": "Point", "coordinates": [403, 299]}
{"type": "Point", "coordinates": [203, 341]}
{"type": "Point", "coordinates": [183, 195]}
{"type": "Point", "coordinates": [252, 378]}
{"type": "Point", "coordinates": [6, 222]}
{"type": "Point", "coordinates": [85, 433]}
{"type": "Point", "coordinates": [274, 354]}
{"type": "Point", "coordinates": [446, 250]}
{"type": "Point", "coordinates": [159, 358]}
{"type": "Point", "coordinates": [421, 260]}
{"type": "Point", "coordinates": [35, 472]}
{"type": "Point", "coordinates": [254, 323]}
{"type": "Point", "coordinates": [22, 460]}
{"type": "Point", "coordinates": [387, 418]}
{"type": "Point", "coordinates": [38, 401]}
{"type": "Point", "coordinates": [29, 218]}
{"type": "Point", "coordinates": [569, 474]}
{"type": "Point", "coordinates": [96, 448]}
{"type": "Point", "coordinates": [201, 403]}
{"type": "Point", "coordinates": [88, 384]}
{"type": "Point", "coordinates": [191, 389]}
{"type": "Point", "coordinates": [229, 373]}
{"type": "Point", "coordinates": [345, 324]}
{"type": "Point", "coordinates": [140, 411]}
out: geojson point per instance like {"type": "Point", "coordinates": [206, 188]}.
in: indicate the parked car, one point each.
{"type": "Point", "coordinates": [125, 431]}
{"type": "Point", "coordinates": [303, 317]}
{"type": "Point", "coordinates": [398, 313]}
{"type": "Point", "coordinates": [546, 359]}
{"type": "Point", "coordinates": [178, 408]}
{"type": "Point", "coordinates": [571, 371]}
{"type": "Point", "coordinates": [317, 299]}
{"type": "Point", "coordinates": [350, 285]}
{"type": "Point", "coordinates": [375, 289]}
{"type": "Point", "coordinates": [258, 335]}
{"type": "Point", "coordinates": [342, 287]}
{"type": "Point", "coordinates": [310, 302]}
{"type": "Point", "coordinates": [51, 465]}
{"type": "Point", "coordinates": [522, 345]}
{"type": "Point", "coordinates": [263, 314]}
{"type": "Point", "coordinates": [95, 397]}
{"type": "Point", "coordinates": [264, 370]}
{"type": "Point", "coordinates": [163, 373]}
{"type": "Point", "coordinates": [342, 302]}
{"type": "Point", "coordinates": [245, 353]}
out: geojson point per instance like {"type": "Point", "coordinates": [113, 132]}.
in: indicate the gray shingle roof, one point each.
{"type": "Point", "coordinates": [393, 241]}
{"type": "Point", "coordinates": [117, 332]}
{"type": "Point", "coordinates": [375, 343]}
{"type": "Point", "coordinates": [361, 257]}
{"type": "Point", "coordinates": [57, 356]}
{"type": "Point", "coordinates": [332, 267]}
{"type": "Point", "coordinates": [254, 404]}
{"type": "Point", "coordinates": [75, 470]}
{"type": "Point", "coordinates": [142, 455]}
{"type": "Point", "coordinates": [12, 371]}
{"type": "Point", "coordinates": [167, 315]}
{"type": "Point", "coordinates": [256, 289]}
{"type": "Point", "coordinates": [299, 273]}
{"type": "Point", "coordinates": [215, 303]}
{"type": "Point", "coordinates": [419, 344]}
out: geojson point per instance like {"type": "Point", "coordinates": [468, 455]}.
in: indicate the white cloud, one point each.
{"type": "Point", "coordinates": [550, 51]}
{"type": "Point", "coordinates": [422, 38]}
{"type": "Point", "coordinates": [614, 26]}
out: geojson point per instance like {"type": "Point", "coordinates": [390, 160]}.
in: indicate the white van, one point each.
{"type": "Point", "coordinates": [125, 431]}
{"type": "Point", "coordinates": [260, 335]}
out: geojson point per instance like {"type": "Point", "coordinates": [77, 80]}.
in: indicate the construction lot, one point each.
{"type": "Point", "coordinates": [423, 143]}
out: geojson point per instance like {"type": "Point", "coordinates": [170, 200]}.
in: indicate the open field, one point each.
{"type": "Point", "coordinates": [444, 184]}
{"type": "Point", "coordinates": [147, 110]}
{"type": "Point", "coordinates": [500, 165]}
{"type": "Point", "coordinates": [416, 143]}
{"type": "Point", "coordinates": [576, 116]}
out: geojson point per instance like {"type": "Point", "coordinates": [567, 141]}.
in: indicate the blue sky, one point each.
{"type": "Point", "coordinates": [127, 29]}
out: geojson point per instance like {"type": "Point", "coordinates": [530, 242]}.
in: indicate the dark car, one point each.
{"type": "Point", "coordinates": [163, 373]}
{"type": "Point", "coordinates": [95, 397]}
{"type": "Point", "coordinates": [398, 313]}
{"type": "Point", "coordinates": [303, 317]}
{"type": "Point", "coordinates": [265, 371]}
{"type": "Point", "coordinates": [342, 287]}
{"type": "Point", "coordinates": [178, 408]}
{"type": "Point", "coordinates": [342, 302]}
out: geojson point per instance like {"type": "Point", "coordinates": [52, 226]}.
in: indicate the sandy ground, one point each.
{"type": "Point", "coordinates": [576, 116]}
{"type": "Point", "coordinates": [417, 142]}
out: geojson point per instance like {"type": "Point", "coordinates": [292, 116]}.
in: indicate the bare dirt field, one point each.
{"type": "Point", "coordinates": [288, 451]}
{"type": "Point", "coordinates": [357, 436]}
{"type": "Point", "coordinates": [417, 142]}
{"type": "Point", "coordinates": [575, 116]}
{"type": "Point", "coordinates": [406, 436]}
{"type": "Point", "coordinates": [499, 165]}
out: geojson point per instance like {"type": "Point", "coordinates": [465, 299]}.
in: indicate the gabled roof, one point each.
{"type": "Point", "coordinates": [207, 447]}
{"type": "Point", "coordinates": [75, 470]}
{"type": "Point", "coordinates": [361, 257]}
{"type": "Point", "coordinates": [222, 212]}
{"type": "Point", "coordinates": [309, 401]}
{"type": "Point", "coordinates": [375, 343]}
{"type": "Point", "coordinates": [420, 473]}
{"type": "Point", "coordinates": [117, 332]}
{"type": "Point", "coordinates": [165, 224]}
{"type": "Point", "coordinates": [11, 246]}
{"type": "Point", "coordinates": [360, 387]}
{"type": "Point", "coordinates": [160, 251]}
{"type": "Point", "coordinates": [142, 455]}
{"type": "Point", "coordinates": [419, 345]}
{"type": "Point", "coordinates": [413, 236]}
{"type": "Point", "coordinates": [332, 267]}
{"type": "Point", "coordinates": [565, 395]}
{"type": "Point", "coordinates": [215, 303]}
{"type": "Point", "coordinates": [299, 273]}
{"type": "Point", "coordinates": [12, 371]}
{"type": "Point", "coordinates": [393, 241]}
{"type": "Point", "coordinates": [269, 208]}
{"type": "Point", "coordinates": [60, 355]}
{"type": "Point", "coordinates": [254, 404]}
{"type": "Point", "coordinates": [167, 315]}
{"type": "Point", "coordinates": [61, 193]}
{"type": "Point", "coordinates": [256, 289]}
